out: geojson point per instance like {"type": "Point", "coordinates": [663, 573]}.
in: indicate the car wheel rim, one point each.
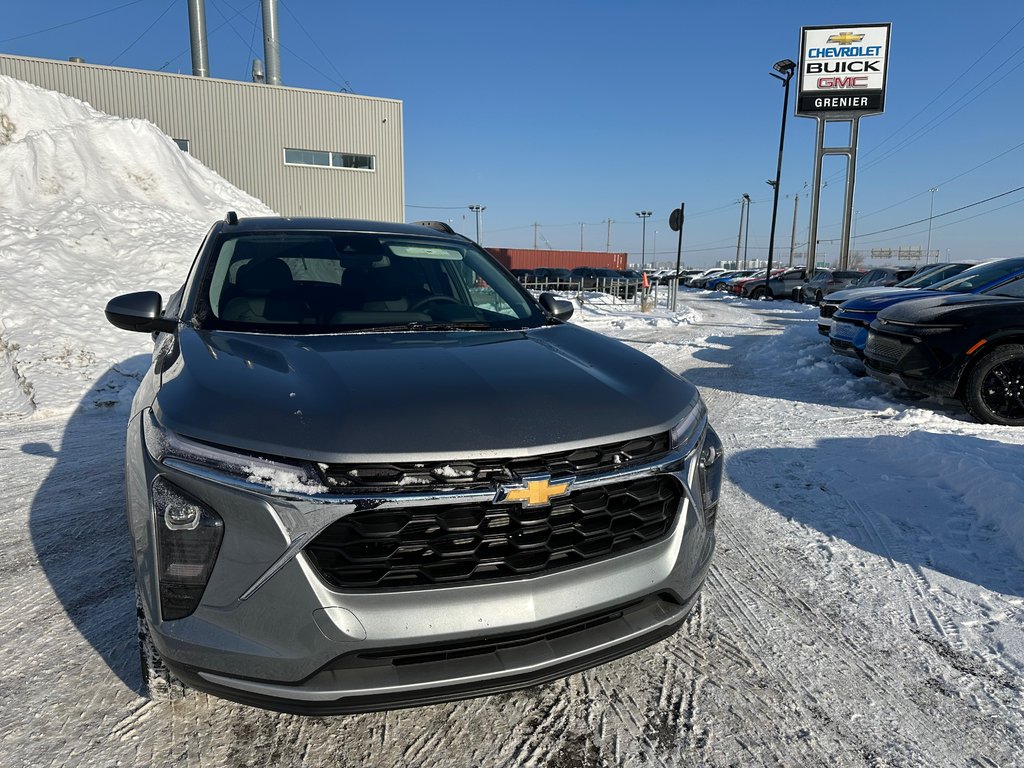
{"type": "Point", "coordinates": [1002, 390]}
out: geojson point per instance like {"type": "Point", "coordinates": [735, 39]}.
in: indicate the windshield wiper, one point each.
{"type": "Point", "coordinates": [419, 325]}
{"type": "Point", "coordinates": [448, 325]}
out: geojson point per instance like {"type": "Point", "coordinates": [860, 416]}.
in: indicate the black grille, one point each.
{"type": "Point", "coordinates": [827, 310]}
{"type": "Point", "coordinates": [426, 546]}
{"type": "Point", "coordinates": [884, 350]}
{"type": "Point", "coordinates": [484, 473]}
{"type": "Point", "coordinates": [840, 343]}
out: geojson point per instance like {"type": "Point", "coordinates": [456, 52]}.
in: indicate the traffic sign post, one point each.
{"type": "Point", "coordinates": [675, 223]}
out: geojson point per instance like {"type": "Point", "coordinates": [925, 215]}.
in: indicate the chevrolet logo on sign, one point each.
{"type": "Point", "coordinates": [846, 38]}
{"type": "Point", "coordinates": [535, 491]}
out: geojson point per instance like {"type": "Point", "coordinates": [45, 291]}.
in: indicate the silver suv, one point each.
{"type": "Point", "coordinates": [367, 470]}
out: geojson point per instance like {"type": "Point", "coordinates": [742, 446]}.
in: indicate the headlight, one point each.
{"type": "Point", "coordinates": [709, 471]}
{"type": "Point", "coordinates": [188, 535]}
{"type": "Point", "coordinates": [164, 445]}
{"type": "Point", "coordinates": [686, 432]}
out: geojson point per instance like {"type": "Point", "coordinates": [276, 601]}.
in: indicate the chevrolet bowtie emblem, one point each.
{"type": "Point", "coordinates": [846, 38]}
{"type": "Point", "coordinates": [533, 491]}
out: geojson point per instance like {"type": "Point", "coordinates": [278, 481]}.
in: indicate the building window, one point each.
{"type": "Point", "coordinates": [328, 159]}
{"type": "Point", "coordinates": [182, 144]}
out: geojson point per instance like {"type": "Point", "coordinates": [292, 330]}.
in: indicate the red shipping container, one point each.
{"type": "Point", "coordinates": [529, 258]}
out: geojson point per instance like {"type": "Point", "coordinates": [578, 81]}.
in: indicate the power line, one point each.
{"type": "Point", "coordinates": [246, 72]}
{"type": "Point", "coordinates": [143, 33]}
{"type": "Point", "coordinates": [230, 20]}
{"type": "Point", "coordinates": [921, 132]}
{"type": "Point", "coordinates": [945, 90]}
{"type": "Point", "coordinates": [937, 121]}
{"type": "Point", "coordinates": [348, 85]}
{"type": "Point", "coordinates": [189, 48]}
{"type": "Point", "coordinates": [958, 221]}
{"type": "Point", "coordinates": [69, 23]}
{"type": "Point", "coordinates": [927, 189]}
{"type": "Point", "coordinates": [940, 215]}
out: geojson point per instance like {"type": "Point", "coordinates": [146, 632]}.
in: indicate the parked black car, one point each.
{"type": "Point", "coordinates": [864, 287]}
{"type": "Point", "coordinates": [550, 279]}
{"type": "Point", "coordinates": [964, 346]}
{"type": "Point", "coordinates": [603, 280]}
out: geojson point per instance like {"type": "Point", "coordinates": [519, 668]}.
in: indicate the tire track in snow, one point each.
{"type": "Point", "coordinates": [919, 714]}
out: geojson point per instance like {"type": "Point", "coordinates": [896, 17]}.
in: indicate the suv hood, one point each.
{"type": "Point", "coordinates": [938, 307]}
{"type": "Point", "coordinates": [413, 395]}
{"type": "Point", "coordinates": [877, 302]}
{"type": "Point", "coordinates": [838, 297]}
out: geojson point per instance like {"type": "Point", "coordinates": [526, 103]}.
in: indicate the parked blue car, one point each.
{"type": "Point", "coordinates": [849, 331]}
{"type": "Point", "coordinates": [718, 282]}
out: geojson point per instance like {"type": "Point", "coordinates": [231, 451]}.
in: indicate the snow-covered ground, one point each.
{"type": "Point", "coordinates": [865, 606]}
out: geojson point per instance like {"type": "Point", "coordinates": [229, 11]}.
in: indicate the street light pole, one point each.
{"type": "Point", "coordinates": [643, 215]}
{"type": "Point", "coordinates": [785, 68]}
{"type": "Point", "coordinates": [792, 236]}
{"type": "Point", "coordinates": [478, 209]}
{"type": "Point", "coordinates": [931, 210]}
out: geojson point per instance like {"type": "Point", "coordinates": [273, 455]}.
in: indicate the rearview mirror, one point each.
{"type": "Point", "coordinates": [139, 312]}
{"type": "Point", "coordinates": [558, 308]}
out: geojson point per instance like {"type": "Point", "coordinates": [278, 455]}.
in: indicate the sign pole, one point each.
{"type": "Point", "coordinates": [812, 241]}
{"type": "Point", "coordinates": [851, 181]}
{"type": "Point", "coordinates": [679, 253]}
{"type": "Point", "coordinates": [843, 74]}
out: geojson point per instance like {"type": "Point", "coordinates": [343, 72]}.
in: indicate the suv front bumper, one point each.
{"type": "Point", "coordinates": [269, 632]}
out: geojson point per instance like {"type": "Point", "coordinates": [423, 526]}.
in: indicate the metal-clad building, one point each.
{"type": "Point", "coordinates": [302, 152]}
{"type": "Point", "coordinates": [530, 258]}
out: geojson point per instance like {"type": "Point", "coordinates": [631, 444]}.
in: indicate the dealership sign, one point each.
{"type": "Point", "coordinates": [842, 70]}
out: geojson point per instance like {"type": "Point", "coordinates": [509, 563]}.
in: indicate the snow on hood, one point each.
{"type": "Point", "coordinates": [93, 206]}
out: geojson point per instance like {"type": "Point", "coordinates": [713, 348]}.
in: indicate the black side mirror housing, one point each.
{"type": "Point", "coordinates": [139, 312]}
{"type": "Point", "coordinates": [558, 308]}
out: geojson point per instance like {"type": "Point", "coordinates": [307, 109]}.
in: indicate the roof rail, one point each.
{"type": "Point", "coordinates": [440, 226]}
{"type": "Point", "coordinates": [231, 219]}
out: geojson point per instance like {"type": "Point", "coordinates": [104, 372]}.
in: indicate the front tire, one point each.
{"type": "Point", "coordinates": [157, 680]}
{"type": "Point", "coordinates": [757, 293]}
{"type": "Point", "coordinates": [994, 391]}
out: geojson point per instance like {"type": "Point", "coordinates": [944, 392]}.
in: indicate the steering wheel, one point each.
{"type": "Point", "coordinates": [435, 299]}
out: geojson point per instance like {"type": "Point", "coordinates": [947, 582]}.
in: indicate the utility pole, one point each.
{"type": "Point", "coordinates": [746, 233]}
{"type": "Point", "coordinates": [608, 242]}
{"type": "Point", "coordinates": [931, 210]}
{"type": "Point", "coordinates": [536, 227]}
{"type": "Point", "coordinates": [792, 237]}
{"type": "Point", "coordinates": [581, 235]}
{"type": "Point", "coordinates": [739, 235]}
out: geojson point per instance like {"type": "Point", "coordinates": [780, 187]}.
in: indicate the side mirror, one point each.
{"type": "Point", "coordinates": [560, 309]}
{"type": "Point", "coordinates": [139, 312]}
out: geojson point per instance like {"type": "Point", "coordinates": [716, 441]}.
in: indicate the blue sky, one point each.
{"type": "Point", "coordinates": [569, 112]}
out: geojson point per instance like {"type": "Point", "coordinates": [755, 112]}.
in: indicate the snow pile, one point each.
{"type": "Point", "coordinates": [602, 312]}
{"type": "Point", "coordinates": [93, 206]}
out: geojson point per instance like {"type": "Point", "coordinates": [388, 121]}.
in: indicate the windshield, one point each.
{"type": "Point", "coordinates": [296, 282]}
{"type": "Point", "coordinates": [980, 276]}
{"type": "Point", "coordinates": [932, 276]}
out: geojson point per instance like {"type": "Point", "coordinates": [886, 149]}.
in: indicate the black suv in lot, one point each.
{"type": "Point", "coordinates": [964, 346]}
{"type": "Point", "coordinates": [368, 469]}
